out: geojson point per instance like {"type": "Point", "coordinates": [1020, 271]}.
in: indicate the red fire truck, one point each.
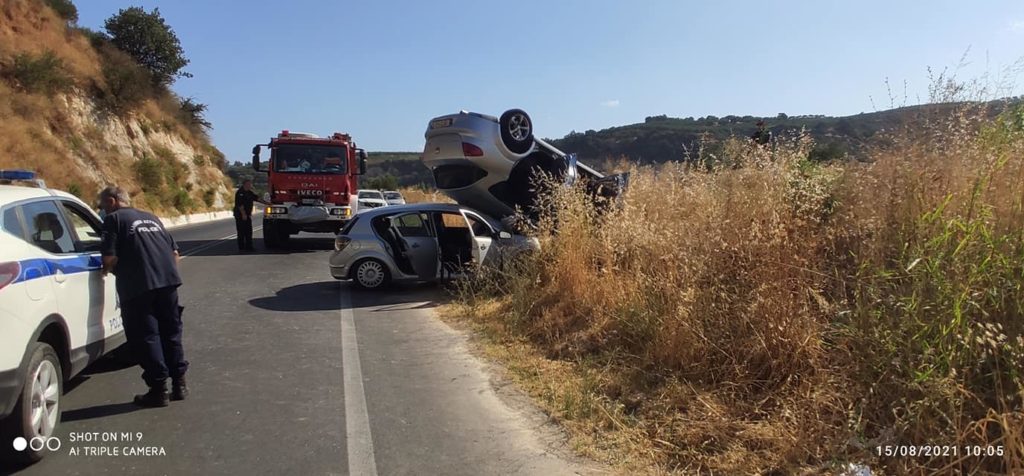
{"type": "Point", "coordinates": [312, 183]}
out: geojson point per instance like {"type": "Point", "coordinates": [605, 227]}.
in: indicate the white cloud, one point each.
{"type": "Point", "coordinates": [1016, 25]}
{"type": "Point", "coordinates": [610, 103]}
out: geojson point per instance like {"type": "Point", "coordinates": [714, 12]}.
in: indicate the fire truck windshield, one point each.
{"type": "Point", "coordinates": [309, 159]}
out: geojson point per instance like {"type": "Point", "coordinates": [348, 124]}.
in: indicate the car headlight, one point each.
{"type": "Point", "coordinates": [276, 210]}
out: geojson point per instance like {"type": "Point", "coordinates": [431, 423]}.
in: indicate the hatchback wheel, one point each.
{"type": "Point", "coordinates": [516, 131]}
{"type": "Point", "coordinates": [37, 411]}
{"type": "Point", "coordinates": [370, 274]}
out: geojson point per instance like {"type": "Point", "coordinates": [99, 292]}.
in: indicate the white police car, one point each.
{"type": "Point", "coordinates": [57, 311]}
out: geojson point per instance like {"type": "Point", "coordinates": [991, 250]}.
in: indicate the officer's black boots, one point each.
{"type": "Point", "coordinates": [155, 397]}
{"type": "Point", "coordinates": [179, 388]}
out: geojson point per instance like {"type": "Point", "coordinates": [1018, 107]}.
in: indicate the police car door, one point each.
{"type": "Point", "coordinates": [104, 309]}
{"type": "Point", "coordinates": [66, 269]}
{"type": "Point", "coordinates": [419, 244]}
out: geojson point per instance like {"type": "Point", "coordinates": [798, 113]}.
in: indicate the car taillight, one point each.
{"type": "Point", "coordinates": [8, 273]}
{"type": "Point", "coordinates": [341, 242]}
{"type": "Point", "coordinates": [471, 150]}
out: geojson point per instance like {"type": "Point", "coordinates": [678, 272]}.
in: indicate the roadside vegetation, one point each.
{"type": "Point", "coordinates": [753, 311]}
{"type": "Point", "coordinates": [85, 108]}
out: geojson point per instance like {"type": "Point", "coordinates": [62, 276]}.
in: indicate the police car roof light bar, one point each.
{"type": "Point", "coordinates": [10, 176]}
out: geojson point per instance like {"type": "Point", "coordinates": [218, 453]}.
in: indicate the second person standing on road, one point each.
{"type": "Point", "coordinates": [244, 198]}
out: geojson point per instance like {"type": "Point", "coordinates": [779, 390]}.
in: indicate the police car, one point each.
{"type": "Point", "coordinates": [58, 313]}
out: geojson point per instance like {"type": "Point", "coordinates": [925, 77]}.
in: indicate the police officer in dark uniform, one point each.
{"type": "Point", "coordinates": [144, 257]}
{"type": "Point", "coordinates": [244, 199]}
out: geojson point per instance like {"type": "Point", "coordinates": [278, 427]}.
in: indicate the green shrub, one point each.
{"type": "Point", "coordinates": [182, 200]}
{"type": "Point", "coordinates": [191, 113]}
{"type": "Point", "coordinates": [126, 83]}
{"type": "Point", "coordinates": [76, 143]}
{"type": "Point", "coordinates": [44, 73]}
{"type": "Point", "coordinates": [150, 174]}
{"type": "Point", "coordinates": [210, 197]}
{"type": "Point", "coordinates": [75, 190]}
{"type": "Point", "coordinates": [65, 9]}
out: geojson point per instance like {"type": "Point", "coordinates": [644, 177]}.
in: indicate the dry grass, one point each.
{"type": "Point", "coordinates": [783, 316]}
{"type": "Point", "coordinates": [423, 195]}
{"type": "Point", "coordinates": [27, 27]}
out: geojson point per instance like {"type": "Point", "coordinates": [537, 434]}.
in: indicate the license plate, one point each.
{"type": "Point", "coordinates": [440, 123]}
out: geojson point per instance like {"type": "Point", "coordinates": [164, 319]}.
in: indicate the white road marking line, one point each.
{"type": "Point", "coordinates": [215, 243]}
{"type": "Point", "coordinates": [357, 419]}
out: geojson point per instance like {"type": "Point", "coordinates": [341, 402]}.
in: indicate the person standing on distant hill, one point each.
{"type": "Point", "coordinates": [763, 136]}
{"type": "Point", "coordinates": [144, 257]}
{"type": "Point", "coordinates": [244, 199]}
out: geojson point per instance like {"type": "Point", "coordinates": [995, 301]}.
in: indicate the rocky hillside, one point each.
{"type": "Point", "coordinates": [83, 115]}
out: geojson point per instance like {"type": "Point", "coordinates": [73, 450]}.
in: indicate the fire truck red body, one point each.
{"type": "Point", "coordinates": [312, 183]}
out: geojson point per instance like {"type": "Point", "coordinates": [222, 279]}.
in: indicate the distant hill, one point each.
{"type": "Point", "coordinates": [661, 138]}
{"type": "Point", "coordinates": [406, 167]}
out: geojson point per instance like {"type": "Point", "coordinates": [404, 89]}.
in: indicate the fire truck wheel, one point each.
{"type": "Point", "coordinates": [370, 274]}
{"type": "Point", "coordinates": [516, 131]}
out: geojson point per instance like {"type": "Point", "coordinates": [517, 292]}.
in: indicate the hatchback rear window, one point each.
{"type": "Point", "coordinates": [348, 226]}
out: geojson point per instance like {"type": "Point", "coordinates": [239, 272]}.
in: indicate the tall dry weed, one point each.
{"type": "Point", "coordinates": [757, 311]}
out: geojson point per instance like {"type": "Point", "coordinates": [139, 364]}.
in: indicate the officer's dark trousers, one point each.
{"type": "Point", "coordinates": [244, 228]}
{"type": "Point", "coordinates": [152, 324]}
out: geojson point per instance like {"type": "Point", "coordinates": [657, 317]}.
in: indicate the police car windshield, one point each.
{"type": "Point", "coordinates": [309, 159]}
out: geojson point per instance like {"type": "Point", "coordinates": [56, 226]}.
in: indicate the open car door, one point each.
{"type": "Point", "coordinates": [418, 243]}
{"type": "Point", "coordinates": [483, 239]}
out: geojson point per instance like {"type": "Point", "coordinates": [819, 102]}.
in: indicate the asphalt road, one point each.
{"type": "Point", "coordinates": [293, 372]}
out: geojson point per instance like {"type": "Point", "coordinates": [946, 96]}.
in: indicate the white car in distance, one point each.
{"type": "Point", "coordinates": [369, 199]}
{"type": "Point", "coordinates": [394, 198]}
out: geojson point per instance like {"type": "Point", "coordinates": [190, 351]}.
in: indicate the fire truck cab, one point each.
{"type": "Point", "coordinates": [312, 183]}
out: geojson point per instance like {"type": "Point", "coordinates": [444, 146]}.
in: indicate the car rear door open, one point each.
{"type": "Point", "coordinates": [418, 242]}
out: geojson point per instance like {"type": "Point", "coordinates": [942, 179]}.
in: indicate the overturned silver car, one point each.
{"type": "Point", "coordinates": [489, 163]}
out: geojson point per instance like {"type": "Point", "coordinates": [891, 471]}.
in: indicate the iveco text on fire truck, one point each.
{"type": "Point", "coordinates": [312, 183]}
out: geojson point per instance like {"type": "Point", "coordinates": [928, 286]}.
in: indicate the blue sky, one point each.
{"type": "Point", "coordinates": [381, 69]}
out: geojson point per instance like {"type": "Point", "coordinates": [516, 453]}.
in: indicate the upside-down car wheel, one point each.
{"type": "Point", "coordinates": [516, 131]}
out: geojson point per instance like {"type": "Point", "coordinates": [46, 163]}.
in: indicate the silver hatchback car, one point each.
{"type": "Point", "coordinates": [488, 162]}
{"type": "Point", "coordinates": [420, 242]}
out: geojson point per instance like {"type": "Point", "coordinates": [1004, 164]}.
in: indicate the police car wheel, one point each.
{"type": "Point", "coordinates": [37, 413]}
{"type": "Point", "coordinates": [370, 274]}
